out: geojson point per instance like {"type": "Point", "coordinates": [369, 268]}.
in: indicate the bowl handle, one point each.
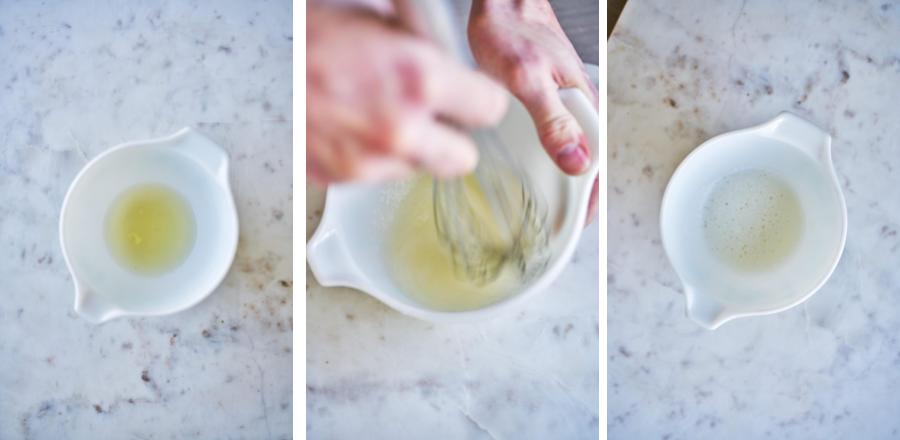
{"type": "Point", "coordinates": [204, 151]}
{"type": "Point", "coordinates": [330, 261]}
{"type": "Point", "coordinates": [802, 134]}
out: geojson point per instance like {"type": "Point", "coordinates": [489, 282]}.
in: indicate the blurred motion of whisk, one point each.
{"type": "Point", "coordinates": [492, 218]}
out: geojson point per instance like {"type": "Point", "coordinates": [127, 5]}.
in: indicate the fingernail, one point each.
{"type": "Point", "coordinates": [573, 158]}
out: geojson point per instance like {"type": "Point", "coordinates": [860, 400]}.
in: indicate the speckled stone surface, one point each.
{"type": "Point", "coordinates": [77, 78]}
{"type": "Point", "coordinates": [680, 73]}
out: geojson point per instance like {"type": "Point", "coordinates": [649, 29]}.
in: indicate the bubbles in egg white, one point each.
{"type": "Point", "coordinates": [752, 220]}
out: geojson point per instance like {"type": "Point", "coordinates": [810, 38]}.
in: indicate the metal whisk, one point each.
{"type": "Point", "coordinates": [491, 218]}
{"type": "Point", "coordinates": [511, 228]}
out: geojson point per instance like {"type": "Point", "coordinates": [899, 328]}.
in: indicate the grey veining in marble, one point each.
{"type": "Point", "coordinates": [680, 73]}
{"type": "Point", "coordinates": [75, 79]}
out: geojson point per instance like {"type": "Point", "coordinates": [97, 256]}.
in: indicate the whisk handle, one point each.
{"type": "Point", "coordinates": [435, 20]}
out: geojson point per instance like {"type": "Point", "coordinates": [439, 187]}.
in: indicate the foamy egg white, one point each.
{"type": "Point", "coordinates": [752, 220]}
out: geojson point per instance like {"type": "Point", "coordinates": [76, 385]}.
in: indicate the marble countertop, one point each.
{"type": "Point", "coordinates": [533, 373]}
{"type": "Point", "coordinates": [679, 74]}
{"type": "Point", "coordinates": [77, 78]}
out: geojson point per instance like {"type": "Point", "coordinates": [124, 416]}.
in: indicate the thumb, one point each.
{"type": "Point", "coordinates": [560, 134]}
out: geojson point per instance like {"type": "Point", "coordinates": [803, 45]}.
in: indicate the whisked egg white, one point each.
{"type": "Point", "coordinates": [752, 220]}
{"type": "Point", "coordinates": [423, 267]}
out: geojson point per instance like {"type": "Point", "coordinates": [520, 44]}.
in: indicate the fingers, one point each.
{"type": "Point", "coordinates": [444, 151]}
{"type": "Point", "coordinates": [558, 130]}
{"type": "Point", "coordinates": [395, 111]}
{"type": "Point", "coordinates": [465, 96]}
{"type": "Point", "coordinates": [314, 173]}
{"type": "Point", "coordinates": [430, 145]}
{"type": "Point", "coordinates": [331, 160]}
{"type": "Point", "coordinates": [423, 142]}
{"type": "Point", "coordinates": [364, 169]}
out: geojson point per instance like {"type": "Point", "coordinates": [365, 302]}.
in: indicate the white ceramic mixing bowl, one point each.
{"type": "Point", "coordinates": [799, 154]}
{"type": "Point", "coordinates": [186, 162]}
{"type": "Point", "coordinates": [349, 248]}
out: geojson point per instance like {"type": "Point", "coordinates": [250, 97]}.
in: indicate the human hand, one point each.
{"type": "Point", "coordinates": [382, 103]}
{"type": "Point", "coordinates": [522, 44]}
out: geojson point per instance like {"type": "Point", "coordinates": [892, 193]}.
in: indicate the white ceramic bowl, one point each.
{"type": "Point", "coordinates": [188, 163]}
{"type": "Point", "coordinates": [349, 248]}
{"type": "Point", "coordinates": [798, 153]}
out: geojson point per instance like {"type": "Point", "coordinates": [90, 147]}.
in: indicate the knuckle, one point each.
{"type": "Point", "coordinates": [525, 55]}
{"type": "Point", "coordinates": [556, 128]}
{"type": "Point", "coordinates": [524, 80]}
{"type": "Point", "coordinates": [519, 78]}
{"type": "Point", "coordinates": [416, 85]}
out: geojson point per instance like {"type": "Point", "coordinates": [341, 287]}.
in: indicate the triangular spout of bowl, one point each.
{"type": "Point", "coordinates": [706, 311]}
{"type": "Point", "coordinates": [92, 308]}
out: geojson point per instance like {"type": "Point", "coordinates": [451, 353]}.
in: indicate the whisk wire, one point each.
{"type": "Point", "coordinates": [516, 216]}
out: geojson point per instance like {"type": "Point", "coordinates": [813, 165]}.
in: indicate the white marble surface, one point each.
{"type": "Point", "coordinates": [75, 79]}
{"type": "Point", "coordinates": [530, 374]}
{"type": "Point", "coordinates": [679, 74]}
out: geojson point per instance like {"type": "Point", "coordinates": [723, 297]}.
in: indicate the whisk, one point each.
{"type": "Point", "coordinates": [492, 218]}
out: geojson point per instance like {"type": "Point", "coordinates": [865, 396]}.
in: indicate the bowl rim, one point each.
{"type": "Point", "coordinates": [413, 308]}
